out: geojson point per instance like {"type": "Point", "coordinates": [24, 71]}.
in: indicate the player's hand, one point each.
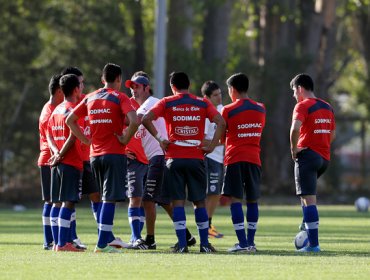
{"type": "Point", "coordinates": [122, 138]}
{"type": "Point", "coordinates": [164, 144]}
{"type": "Point", "coordinates": [207, 149]}
{"type": "Point", "coordinates": [54, 159]}
{"type": "Point", "coordinates": [131, 155]}
{"type": "Point", "coordinates": [295, 151]}
{"type": "Point", "coordinates": [86, 141]}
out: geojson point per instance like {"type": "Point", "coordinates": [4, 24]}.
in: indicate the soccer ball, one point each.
{"type": "Point", "coordinates": [362, 204]}
{"type": "Point", "coordinates": [301, 240]}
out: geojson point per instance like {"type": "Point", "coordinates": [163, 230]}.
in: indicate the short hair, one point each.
{"type": "Point", "coordinates": [239, 81]}
{"type": "Point", "coordinates": [68, 83]}
{"type": "Point", "coordinates": [208, 87]}
{"type": "Point", "coordinates": [180, 80]}
{"type": "Point", "coordinates": [304, 80]}
{"type": "Point", "coordinates": [111, 71]}
{"type": "Point", "coordinates": [72, 70]}
{"type": "Point", "coordinates": [54, 84]}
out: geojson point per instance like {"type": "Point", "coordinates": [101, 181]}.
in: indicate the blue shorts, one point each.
{"type": "Point", "coordinates": [65, 183]}
{"type": "Point", "coordinates": [185, 178]}
{"type": "Point", "coordinates": [89, 184]}
{"type": "Point", "coordinates": [45, 176]}
{"type": "Point", "coordinates": [242, 180]}
{"type": "Point", "coordinates": [110, 173]}
{"type": "Point", "coordinates": [215, 176]}
{"type": "Point", "coordinates": [136, 177]}
{"type": "Point", "coordinates": [154, 181]}
{"type": "Point", "coordinates": [308, 167]}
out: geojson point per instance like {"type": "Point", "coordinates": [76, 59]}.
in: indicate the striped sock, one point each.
{"type": "Point", "coordinates": [54, 214]}
{"type": "Point", "coordinates": [311, 216]}
{"type": "Point", "coordinates": [201, 218]}
{"type": "Point", "coordinates": [134, 221]}
{"type": "Point", "coordinates": [106, 223]}
{"type": "Point", "coordinates": [237, 216]}
{"type": "Point", "coordinates": [64, 224]}
{"type": "Point", "coordinates": [252, 219]}
{"type": "Point", "coordinates": [48, 236]}
{"type": "Point", "coordinates": [179, 221]}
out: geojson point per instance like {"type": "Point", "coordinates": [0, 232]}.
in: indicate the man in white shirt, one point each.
{"type": "Point", "coordinates": [214, 161]}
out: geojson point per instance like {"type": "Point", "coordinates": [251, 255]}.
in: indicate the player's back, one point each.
{"type": "Point", "coordinates": [245, 120]}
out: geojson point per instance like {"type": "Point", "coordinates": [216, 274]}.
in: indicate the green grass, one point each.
{"type": "Point", "coordinates": [344, 238]}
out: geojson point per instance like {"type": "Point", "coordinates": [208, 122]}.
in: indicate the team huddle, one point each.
{"type": "Point", "coordinates": [164, 152]}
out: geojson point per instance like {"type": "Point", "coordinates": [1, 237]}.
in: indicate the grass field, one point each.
{"type": "Point", "coordinates": [344, 239]}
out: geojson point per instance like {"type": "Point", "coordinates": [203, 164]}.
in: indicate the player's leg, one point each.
{"type": "Point", "coordinates": [54, 212]}
{"type": "Point", "coordinates": [45, 175]}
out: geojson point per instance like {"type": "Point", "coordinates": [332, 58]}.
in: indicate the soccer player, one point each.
{"type": "Point", "coordinates": [214, 161]}
{"type": "Point", "coordinates": [66, 161]}
{"type": "Point", "coordinates": [140, 87]}
{"type": "Point", "coordinates": [185, 116]}
{"type": "Point", "coordinates": [56, 97]}
{"type": "Point", "coordinates": [311, 134]}
{"type": "Point", "coordinates": [245, 120]}
{"type": "Point", "coordinates": [107, 109]}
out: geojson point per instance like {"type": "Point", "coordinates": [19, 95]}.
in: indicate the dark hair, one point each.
{"type": "Point", "coordinates": [303, 80]}
{"type": "Point", "coordinates": [180, 80]}
{"type": "Point", "coordinates": [144, 74]}
{"type": "Point", "coordinates": [239, 81]}
{"type": "Point", "coordinates": [209, 87]}
{"type": "Point", "coordinates": [111, 71]}
{"type": "Point", "coordinates": [68, 83]}
{"type": "Point", "coordinates": [54, 84]}
{"type": "Point", "coordinates": [72, 70]}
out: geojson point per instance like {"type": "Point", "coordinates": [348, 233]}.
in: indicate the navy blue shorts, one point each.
{"type": "Point", "coordinates": [45, 176]}
{"type": "Point", "coordinates": [308, 167]}
{"type": "Point", "coordinates": [65, 183]}
{"type": "Point", "coordinates": [110, 173]}
{"type": "Point", "coordinates": [89, 184]}
{"type": "Point", "coordinates": [215, 176]}
{"type": "Point", "coordinates": [136, 177]}
{"type": "Point", "coordinates": [184, 174]}
{"type": "Point", "coordinates": [154, 181]}
{"type": "Point", "coordinates": [242, 180]}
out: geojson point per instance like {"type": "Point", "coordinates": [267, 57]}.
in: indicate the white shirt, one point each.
{"type": "Point", "coordinates": [209, 131]}
{"type": "Point", "coordinates": [150, 144]}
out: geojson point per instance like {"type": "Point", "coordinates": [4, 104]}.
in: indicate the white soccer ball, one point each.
{"type": "Point", "coordinates": [362, 204]}
{"type": "Point", "coordinates": [301, 240]}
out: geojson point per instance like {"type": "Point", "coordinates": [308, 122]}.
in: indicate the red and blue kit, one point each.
{"type": "Point", "coordinates": [318, 123]}
{"type": "Point", "coordinates": [85, 149]}
{"type": "Point", "coordinates": [106, 109]}
{"type": "Point", "coordinates": [135, 146]}
{"type": "Point", "coordinates": [185, 116]}
{"type": "Point", "coordinates": [59, 132]}
{"type": "Point", "coordinates": [245, 120]}
{"type": "Point", "coordinates": [43, 129]}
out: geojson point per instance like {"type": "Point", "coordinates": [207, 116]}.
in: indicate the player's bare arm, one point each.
{"type": "Point", "coordinates": [131, 129]}
{"type": "Point", "coordinates": [71, 121]}
{"type": "Point", "coordinates": [220, 130]}
{"type": "Point", "coordinates": [294, 135]}
{"type": "Point", "coordinates": [147, 122]}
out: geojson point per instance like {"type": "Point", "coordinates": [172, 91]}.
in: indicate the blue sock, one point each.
{"type": "Point", "coordinates": [134, 221]}
{"type": "Point", "coordinates": [179, 221]}
{"type": "Point", "coordinates": [201, 218]}
{"type": "Point", "coordinates": [73, 231]}
{"type": "Point", "coordinates": [142, 218]}
{"type": "Point", "coordinates": [311, 216]}
{"type": "Point", "coordinates": [64, 224]}
{"type": "Point", "coordinates": [237, 216]}
{"type": "Point", "coordinates": [252, 219]}
{"type": "Point", "coordinates": [106, 223]}
{"type": "Point", "coordinates": [95, 207]}
{"type": "Point", "coordinates": [54, 214]}
{"type": "Point", "coordinates": [48, 236]}
{"type": "Point", "coordinates": [303, 221]}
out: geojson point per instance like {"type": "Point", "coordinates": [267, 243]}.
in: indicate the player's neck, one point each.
{"type": "Point", "coordinates": [112, 86]}
{"type": "Point", "coordinates": [183, 91]}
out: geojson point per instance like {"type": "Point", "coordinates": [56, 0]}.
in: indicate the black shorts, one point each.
{"type": "Point", "coordinates": [215, 176]}
{"type": "Point", "coordinates": [45, 176]}
{"type": "Point", "coordinates": [242, 180]}
{"type": "Point", "coordinates": [89, 184]}
{"type": "Point", "coordinates": [136, 177]}
{"type": "Point", "coordinates": [184, 174]}
{"type": "Point", "coordinates": [65, 183]}
{"type": "Point", "coordinates": [308, 167]}
{"type": "Point", "coordinates": [110, 173]}
{"type": "Point", "coordinates": [154, 181]}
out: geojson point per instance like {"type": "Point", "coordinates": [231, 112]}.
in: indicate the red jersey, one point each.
{"type": "Point", "coordinates": [45, 153]}
{"type": "Point", "coordinates": [245, 120]}
{"type": "Point", "coordinates": [135, 146]}
{"type": "Point", "coordinates": [106, 109]}
{"type": "Point", "coordinates": [59, 132]}
{"type": "Point", "coordinates": [85, 149]}
{"type": "Point", "coordinates": [185, 116]}
{"type": "Point", "coordinates": [318, 122]}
